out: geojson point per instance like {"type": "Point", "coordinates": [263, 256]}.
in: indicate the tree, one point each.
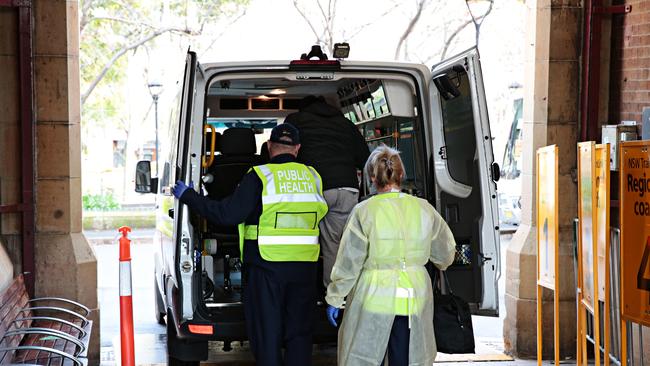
{"type": "Point", "coordinates": [425, 22]}
{"type": "Point", "coordinates": [323, 25]}
{"type": "Point", "coordinates": [111, 28]}
{"type": "Point", "coordinates": [451, 28]}
{"type": "Point", "coordinates": [402, 43]}
{"type": "Point", "coordinates": [113, 32]}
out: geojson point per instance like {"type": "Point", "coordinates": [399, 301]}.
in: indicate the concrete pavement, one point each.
{"type": "Point", "coordinates": [150, 337]}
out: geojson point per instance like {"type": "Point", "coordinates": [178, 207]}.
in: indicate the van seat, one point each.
{"type": "Point", "coordinates": [238, 141]}
{"type": "Point", "coordinates": [264, 153]}
{"type": "Point", "coordinates": [237, 156]}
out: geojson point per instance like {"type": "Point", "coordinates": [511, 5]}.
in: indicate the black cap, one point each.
{"type": "Point", "coordinates": [286, 134]}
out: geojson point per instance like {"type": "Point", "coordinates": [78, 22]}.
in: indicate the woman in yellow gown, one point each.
{"type": "Point", "coordinates": [386, 243]}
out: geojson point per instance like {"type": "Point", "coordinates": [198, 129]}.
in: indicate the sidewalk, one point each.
{"type": "Point", "coordinates": [150, 338]}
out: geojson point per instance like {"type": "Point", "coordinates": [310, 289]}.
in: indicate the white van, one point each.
{"type": "Point", "coordinates": [436, 117]}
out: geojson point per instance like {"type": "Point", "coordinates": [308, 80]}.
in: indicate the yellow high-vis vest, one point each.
{"type": "Point", "coordinates": [406, 293]}
{"type": "Point", "coordinates": [292, 207]}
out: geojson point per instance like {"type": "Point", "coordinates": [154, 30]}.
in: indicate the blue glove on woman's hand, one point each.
{"type": "Point", "coordinates": [180, 188]}
{"type": "Point", "coordinates": [332, 314]}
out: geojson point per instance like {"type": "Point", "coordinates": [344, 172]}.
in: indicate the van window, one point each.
{"type": "Point", "coordinates": [458, 120]}
{"type": "Point", "coordinates": [260, 126]}
{"type": "Point", "coordinates": [168, 146]}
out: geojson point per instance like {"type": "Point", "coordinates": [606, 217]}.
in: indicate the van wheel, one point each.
{"type": "Point", "coordinates": [158, 304]}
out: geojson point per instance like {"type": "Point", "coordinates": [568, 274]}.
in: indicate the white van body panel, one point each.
{"type": "Point", "coordinates": [489, 222]}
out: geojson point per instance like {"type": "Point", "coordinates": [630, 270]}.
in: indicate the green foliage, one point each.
{"type": "Point", "coordinates": [100, 202]}
{"type": "Point", "coordinates": [114, 220]}
{"type": "Point", "coordinates": [112, 28]}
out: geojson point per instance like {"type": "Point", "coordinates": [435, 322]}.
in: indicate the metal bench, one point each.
{"type": "Point", "coordinates": [43, 331]}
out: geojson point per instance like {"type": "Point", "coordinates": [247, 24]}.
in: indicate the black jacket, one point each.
{"type": "Point", "coordinates": [331, 143]}
{"type": "Point", "coordinates": [245, 205]}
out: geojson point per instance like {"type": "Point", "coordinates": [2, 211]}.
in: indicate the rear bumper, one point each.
{"type": "Point", "coordinates": [234, 329]}
{"type": "Point", "coordinates": [227, 325]}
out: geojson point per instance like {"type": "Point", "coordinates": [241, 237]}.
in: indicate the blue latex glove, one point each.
{"type": "Point", "coordinates": [332, 314]}
{"type": "Point", "coordinates": [180, 188]}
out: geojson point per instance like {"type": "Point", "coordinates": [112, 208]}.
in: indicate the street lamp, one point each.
{"type": "Point", "coordinates": [155, 88]}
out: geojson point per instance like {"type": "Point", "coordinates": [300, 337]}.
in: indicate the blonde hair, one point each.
{"type": "Point", "coordinates": [385, 166]}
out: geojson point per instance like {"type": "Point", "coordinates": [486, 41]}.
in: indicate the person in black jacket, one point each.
{"type": "Point", "coordinates": [333, 145]}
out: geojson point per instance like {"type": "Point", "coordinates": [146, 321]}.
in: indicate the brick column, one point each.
{"type": "Point", "coordinates": [65, 262]}
{"type": "Point", "coordinates": [551, 106]}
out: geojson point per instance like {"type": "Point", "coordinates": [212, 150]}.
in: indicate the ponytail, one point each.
{"type": "Point", "coordinates": [385, 166]}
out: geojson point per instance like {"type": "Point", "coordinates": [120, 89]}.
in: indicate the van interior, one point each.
{"type": "Point", "coordinates": [240, 112]}
{"type": "Point", "coordinates": [241, 109]}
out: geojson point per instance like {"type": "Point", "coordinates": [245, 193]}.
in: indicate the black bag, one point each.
{"type": "Point", "coordinates": [452, 320]}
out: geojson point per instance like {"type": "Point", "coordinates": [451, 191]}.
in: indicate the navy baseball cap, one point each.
{"type": "Point", "coordinates": [286, 134]}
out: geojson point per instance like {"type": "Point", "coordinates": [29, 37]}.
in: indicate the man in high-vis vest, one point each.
{"type": "Point", "coordinates": [278, 207]}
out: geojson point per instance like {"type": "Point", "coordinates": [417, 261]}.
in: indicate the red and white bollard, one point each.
{"type": "Point", "coordinates": [126, 300]}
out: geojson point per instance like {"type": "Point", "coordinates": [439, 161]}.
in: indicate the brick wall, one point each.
{"type": "Point", "coordinates": [630, 63]}
{"type": "Point", "coordinates": [630, 83]}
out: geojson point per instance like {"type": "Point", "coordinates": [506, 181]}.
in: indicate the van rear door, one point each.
{"type": "Point", "coordinates": [465, 174]}
{"type": "Point", "coordinates": [183, 266]}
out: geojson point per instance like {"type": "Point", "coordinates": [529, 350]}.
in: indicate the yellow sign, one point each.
{"type": "Point", "coordinates": [593, 244]}
{"type": "Point", "coordinates": [586, 214]}
{"type": "Point", "coordinates": [602, 216]}
{"type": "Point", "coordinates": [547, 213]}
{"type": "Point", "coordinates": [602, 241]}
{"type": "Point", "coordinates": [547, 242]}
{"type": "Point", "coordinates": [635, 231]}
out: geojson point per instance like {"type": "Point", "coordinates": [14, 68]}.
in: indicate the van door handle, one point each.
{"type": "Point", "coordinates": [171, 213]}
{"type": "Point", "coordinates": [495, 171]}
{"type": "Point", "coordinates": [483, 258]}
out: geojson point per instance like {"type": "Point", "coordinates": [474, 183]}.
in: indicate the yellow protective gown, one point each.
{"type": "Point", "coordinates": [387, 241]}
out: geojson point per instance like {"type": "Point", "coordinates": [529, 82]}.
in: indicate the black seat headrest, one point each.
{"type": "Point", "coordinates": [264, 152]}
{"type": "Point", "coordinates": [238, 141]}
{"type": "Point", "coordinates": [218, 142]}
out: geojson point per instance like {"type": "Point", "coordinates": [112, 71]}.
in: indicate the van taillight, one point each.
{"type": "Point", "coordinates": [315, 65]}
{"type": "Point", "coordinates": [201, 329]}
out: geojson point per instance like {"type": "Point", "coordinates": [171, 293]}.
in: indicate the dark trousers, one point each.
{"type": "Point", "coordinates": [398, 343]}
{"type": "Point", "coordinates": [279, 314]}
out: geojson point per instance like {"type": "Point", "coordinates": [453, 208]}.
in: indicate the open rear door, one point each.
{"type": "Point", "coordinates": [184, 252]}
{"type": "Point", "coordinates": [465, 174]}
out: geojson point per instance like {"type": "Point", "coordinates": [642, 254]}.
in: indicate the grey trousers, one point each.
{"type": "Point", "coordinates": [340, 202]}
